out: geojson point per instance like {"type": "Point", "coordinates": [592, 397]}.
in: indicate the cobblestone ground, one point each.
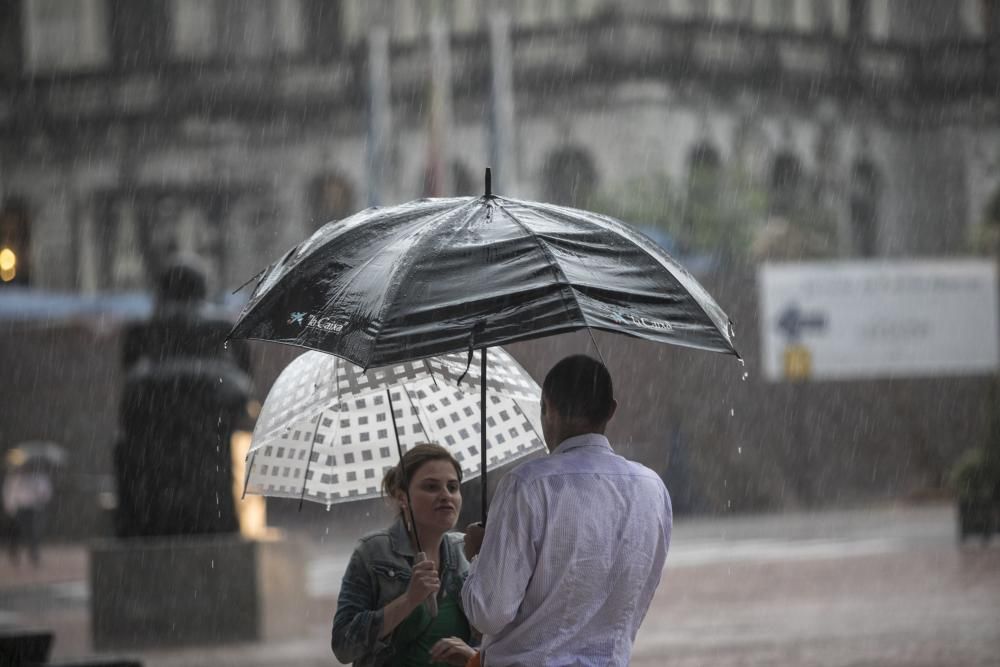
{"type": "Point", "coordinates": [933, 607]}
{"type": "Point", "coordinates": [886, 587]}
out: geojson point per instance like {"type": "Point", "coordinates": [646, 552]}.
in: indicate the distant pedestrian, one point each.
{"type": "Point", "coordinates": [575, 543]}
{"type": "Point", "coordinates": [26, 493]}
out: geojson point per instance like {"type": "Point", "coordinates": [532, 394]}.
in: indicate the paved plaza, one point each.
{"type": "Point", "coordinates": [886, 586]}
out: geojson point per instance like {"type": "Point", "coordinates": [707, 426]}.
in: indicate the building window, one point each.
{"type": "Point", "coordinates": [139, 32]}
{"type": "Point", "coordinates": [703, 181]}
{"type": "Point", "coordinates": [570, 177]}
{"type": "Point", "coordinates": [992, 215]}
{"type": "Point", "coordinates": [857, 18]}
{"type": "Point", "coordinates": [141, 228]}
{"type": "Point", "coordinates": [65, 35]}
{"type": "Point", "coordinates": [324, 23]}
{"type": "Point", "coordinates": [194, 28]}
{"type": "Point", "coordinates": [786, 184]}
{"type": "Point", "coordinates": [15, 243]}
{"type": "Point", "coordinates": [259, 29]}
{"type": "Point", "coordinates": [332, 198]}
{"type": "Point", "coordinates": [11, 53]}
{"type": "Point", "coordinates": [865, 190]}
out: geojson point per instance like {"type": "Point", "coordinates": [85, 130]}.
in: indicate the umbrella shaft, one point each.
{"type": "Point", "coordinates": [482, 431]}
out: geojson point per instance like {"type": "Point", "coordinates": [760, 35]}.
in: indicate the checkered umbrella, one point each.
{"type": "Point", "coordinates": [325, 432]}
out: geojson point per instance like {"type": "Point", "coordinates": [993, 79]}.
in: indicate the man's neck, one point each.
{"type": "Point", "coordinates": [580, 430]}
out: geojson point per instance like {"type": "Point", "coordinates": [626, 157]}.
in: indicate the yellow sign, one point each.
{"type": "Point", "coordinates": [798, 362]}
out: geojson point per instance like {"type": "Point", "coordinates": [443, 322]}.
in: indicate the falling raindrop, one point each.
{"type": "Point", "coordinates": [328, 507]}
{"type": "Point", "coordinates": [732, 412]}
{"type": "Point", "coordinates": [745, 376]}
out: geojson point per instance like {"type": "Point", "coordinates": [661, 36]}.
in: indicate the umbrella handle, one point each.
{"type": "Point", "coordinates": [431, 602]}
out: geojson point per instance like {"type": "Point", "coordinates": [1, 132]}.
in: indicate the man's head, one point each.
{"type": "Point", "coordinates": [577, 398]}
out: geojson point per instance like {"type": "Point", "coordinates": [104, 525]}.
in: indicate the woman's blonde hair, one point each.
{"type": "Point", "coordinates": [413, 459]}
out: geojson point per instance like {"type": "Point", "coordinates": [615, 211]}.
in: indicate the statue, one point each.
{"type": "Point", "coordinates": [183, 397]}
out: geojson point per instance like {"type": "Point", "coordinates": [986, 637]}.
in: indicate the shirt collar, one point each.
{"type": "Point", "coordinates": [585, 440]}
{"type": "Point", "coordinates": [400, 539]}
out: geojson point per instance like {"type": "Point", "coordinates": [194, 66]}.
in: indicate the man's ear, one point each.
{"type": "Point", "coordinates": [614, 407]}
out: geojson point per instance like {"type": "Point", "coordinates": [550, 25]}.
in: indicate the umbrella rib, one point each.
{"type": "Point", "coordinates": [420, 421]}
{"type": "Point", "coordinates": [679, 273]}
{"type": "Point", "coordinates": [247, 479]}
{"type": "Point", "coordinates": [312, 446]}
{"type": "Point", "coordinates": [430, 372]}
{"type": "Point", "coordinates": [439, 219]}
{"type": "Point", "coordinates": [553, 264]}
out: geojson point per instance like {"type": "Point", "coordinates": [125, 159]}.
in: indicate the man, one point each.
{"type": "Point", "coordinates": [575, 543]}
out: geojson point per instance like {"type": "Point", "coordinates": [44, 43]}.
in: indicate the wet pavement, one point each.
{"type": "Point", "coordinates": [886, 586]}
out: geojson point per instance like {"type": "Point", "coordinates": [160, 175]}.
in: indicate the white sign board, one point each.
{"type": "Point", "coordinates": [850, 320]}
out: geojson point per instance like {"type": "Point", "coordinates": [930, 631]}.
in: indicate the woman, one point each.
{"type": "Point", "coordinates": [382, 615]}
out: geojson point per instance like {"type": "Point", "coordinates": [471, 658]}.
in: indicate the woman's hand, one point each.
{"type": "Point", "coordinates": [452, 650]}
{"type": "Point", "coordinates": [424, 582]}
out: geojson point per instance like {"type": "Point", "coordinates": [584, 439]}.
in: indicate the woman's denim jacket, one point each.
{"type": "Point", "coordinates": [379, 572]}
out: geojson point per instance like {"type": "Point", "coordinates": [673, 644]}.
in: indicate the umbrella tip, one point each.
{"type": "Point", "coordinates": [489, 182]}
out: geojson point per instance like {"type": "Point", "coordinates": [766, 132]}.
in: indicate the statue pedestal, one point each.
{"type": "Point", "coordinates": [178, 591]}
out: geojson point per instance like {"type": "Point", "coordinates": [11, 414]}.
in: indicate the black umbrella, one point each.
{"type": "Point", "coordinates": [436, 276]}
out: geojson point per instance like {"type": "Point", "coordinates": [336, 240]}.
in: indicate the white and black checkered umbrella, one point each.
{"type": "Point", "coordinates": [325, 432]}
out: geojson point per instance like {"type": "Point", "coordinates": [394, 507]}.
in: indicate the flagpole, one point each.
{"type": "Point", "coordinates": [439, 150]}
{"type": "Point", "coordinates": [379, 113]}
{"type": "Point", "coordinates": [502, 104]}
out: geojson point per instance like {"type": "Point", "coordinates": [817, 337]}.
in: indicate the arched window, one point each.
{"type": "Point", "coordinates": [786, 183]}
{"type": "Point", "coordinates": [332, 198]}
{"type": "Point", "coordinates": [865, 191]}
{"type": "Point", "coordinates": [991, 216]}
{"type": "Point", "coordinates": [703, 180]}
{"type": "Point", "coordinates": [570, 177]}
{"type": "Point", "coordinates": [15, 242]}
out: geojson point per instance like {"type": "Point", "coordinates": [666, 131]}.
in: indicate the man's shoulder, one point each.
{"type": "Point", "coordinates": [641, 470]}
{"type": "Point", "coordinates": [534, 469]}
{"type": "Point", "coordinates": [613, 463]}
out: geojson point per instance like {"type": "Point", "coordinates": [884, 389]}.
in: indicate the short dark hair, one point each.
{"type": "Point", "coordinates": [580, 386]}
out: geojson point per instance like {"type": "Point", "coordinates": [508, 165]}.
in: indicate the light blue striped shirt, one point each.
{"type": "Point", "coordinates": [575, 547]}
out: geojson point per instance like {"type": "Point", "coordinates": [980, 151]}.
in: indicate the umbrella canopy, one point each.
{"type": "Point", "coordinates": [326, 430]}
{"type": "Point", "coordinates": [436, 276]}
{"type": "Point", "coordinates": [36, 452]}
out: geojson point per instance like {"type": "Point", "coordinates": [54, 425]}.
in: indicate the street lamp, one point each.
{"type": "Point", "coordinates": [8, 265]}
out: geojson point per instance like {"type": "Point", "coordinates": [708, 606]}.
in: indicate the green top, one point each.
{"type": "Point", "coordinates": [419, 632]}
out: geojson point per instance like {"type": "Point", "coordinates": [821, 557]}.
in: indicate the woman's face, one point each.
{"type": "Point", "coordinates": [436, 496]}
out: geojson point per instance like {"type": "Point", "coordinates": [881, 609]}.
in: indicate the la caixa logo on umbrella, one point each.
{"type": "Point", "coordinates": [310, 321]}
{"type": "Point", "coordinates": [627, 318]}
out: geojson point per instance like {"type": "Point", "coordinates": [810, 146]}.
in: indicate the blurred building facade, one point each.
{"type": "Point", "coordinates": [233, 129]}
